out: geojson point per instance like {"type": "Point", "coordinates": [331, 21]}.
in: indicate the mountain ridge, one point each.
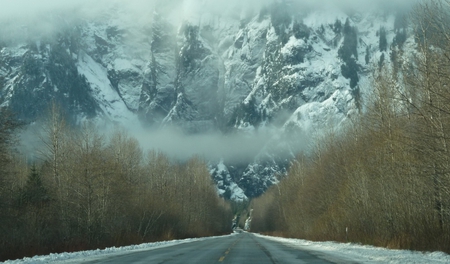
{"type": "Point", "coordinates": [279, 74]}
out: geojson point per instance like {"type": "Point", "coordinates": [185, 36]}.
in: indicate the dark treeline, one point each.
{"type": "Point", "coordinates": [385, 179]}
{"type": "Point", "coordinates": [88, 191]}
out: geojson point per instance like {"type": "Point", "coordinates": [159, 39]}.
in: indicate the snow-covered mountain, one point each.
{"type": "Point", "coordinates": [282, 74]}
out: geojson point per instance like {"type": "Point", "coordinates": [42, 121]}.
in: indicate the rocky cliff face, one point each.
{"type": "Point", "coordinates": [281, 72]}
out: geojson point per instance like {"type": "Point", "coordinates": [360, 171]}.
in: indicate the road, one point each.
{"type": "Point", "coordinates": [240, 248]}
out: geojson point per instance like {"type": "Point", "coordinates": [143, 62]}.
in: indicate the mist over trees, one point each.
{"type": "Point", "coordinates": [385, 179]}
{"type": "Point", "coordinates": [87, 190]}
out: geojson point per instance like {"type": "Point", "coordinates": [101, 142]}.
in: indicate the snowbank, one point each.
{"type": "Point", "coordinates": [89, 255]}
{"type": "Point", "coordinates": [364, 254]}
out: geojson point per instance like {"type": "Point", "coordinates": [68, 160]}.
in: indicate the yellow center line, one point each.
{"type": "Point", "coordinates": [228, 251]}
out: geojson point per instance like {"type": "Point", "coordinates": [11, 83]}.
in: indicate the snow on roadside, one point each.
{"type": "Point", "coordinates": [363, 254]}
{"type": "Point", "coordinates": [89, 255]}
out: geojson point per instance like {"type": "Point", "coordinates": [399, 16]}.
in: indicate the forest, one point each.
{"type": "Point", "coordinates": [384, 180]}
{"type": "Point", "coordinates": [88, 190]}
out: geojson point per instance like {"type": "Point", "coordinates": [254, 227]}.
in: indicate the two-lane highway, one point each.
{"type": "Point", "coordinates": [239, 248]}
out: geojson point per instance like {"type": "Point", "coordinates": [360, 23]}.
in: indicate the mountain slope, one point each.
{"type": "Point", "coordinates": [279, 75]}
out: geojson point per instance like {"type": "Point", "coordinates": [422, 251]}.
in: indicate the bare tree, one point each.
{"type": "Point", "coordinates": [55, 137]}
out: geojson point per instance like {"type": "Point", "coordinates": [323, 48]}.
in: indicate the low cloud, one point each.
{"type": "Point", "coordinates": [29, 18]}
{"type": "Point", "coordinates": [237, 147]}
{"type": "Point", "coordinates": [234, 147]}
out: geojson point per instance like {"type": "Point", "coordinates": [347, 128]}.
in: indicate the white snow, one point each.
{"type": "Point", "coordinates": [124, 65]}
{"type": "Point", "coordinates": [363, 254]}
{"type": "Point", "coordinates": [90, 255]}
{"type": "Point", "coordinates": [317, 116]}
{"type": "Point", "coordinates": [109, 100]}
{"type": "Point", "coordinates": [292, 44]}
{"type": "Point", "coordinates": [237, 194]}
{"type": "Point", "coordinates": [221, 167]}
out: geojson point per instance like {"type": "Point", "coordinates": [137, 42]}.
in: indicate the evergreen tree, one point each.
{"type": "Point", "coordinates": [350, 45]}
{"type": "Point", "coordinates": [301, 31]}
{"type": "Point", "coordinates": [400, 38]}
{"type": "Point", "coordinates": [349, 54]}
{"type": "Point", "coordinates": [367, 57]}
{"type": "Point", "coordinates": [7, 127]}
{"type": "Point", "coordinates": [383, 39]}
{"type": "Point", "coordinates": [34, 192]}
{"type": "Point", "coordinates": [337, 27]}
{"type": "Point", "coordinates": [381, 62]}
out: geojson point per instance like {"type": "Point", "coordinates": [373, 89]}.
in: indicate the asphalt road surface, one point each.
{"type": "Point", "coordinates": [241, 248]}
